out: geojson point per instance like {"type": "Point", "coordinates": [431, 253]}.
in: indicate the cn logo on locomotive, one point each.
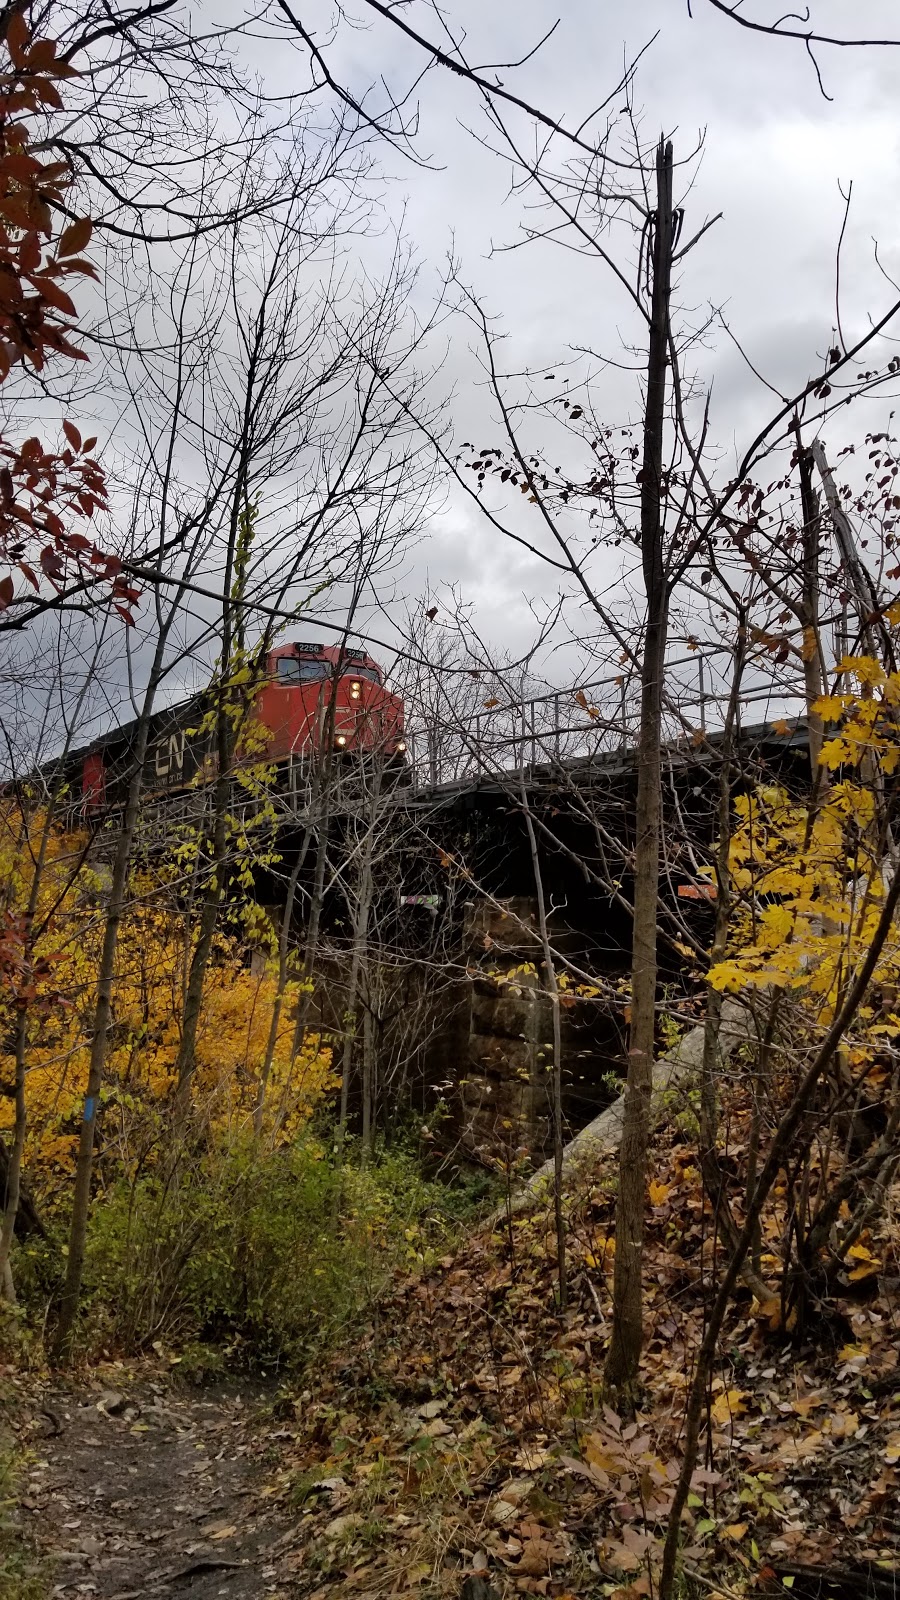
{"type": "Point", "coordinates": [169, 755]}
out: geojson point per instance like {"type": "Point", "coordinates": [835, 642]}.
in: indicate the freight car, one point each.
{"type": "Point", "coordinates": [309, 697]}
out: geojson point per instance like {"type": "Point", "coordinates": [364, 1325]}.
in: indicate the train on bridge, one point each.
{"type": "Point", "coordinates": [308, 698]}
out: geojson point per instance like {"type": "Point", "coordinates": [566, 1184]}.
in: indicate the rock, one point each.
{"type": "Point", "coordinates": [673, 1075]}
{"type": "Point", "coordinates": [502, 1058]}
{"type": "Point", "coordinates": [507, 1015]}
{"type": "Point", "coordinates": [112, 1403]}
{"type": "Point", "coordinates": [337, 1488]}
{"type": "Point", "coordinates": [50, 1425]}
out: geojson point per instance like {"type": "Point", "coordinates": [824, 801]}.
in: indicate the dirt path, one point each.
{"type": "Point", "coordinates": [145, 1490]}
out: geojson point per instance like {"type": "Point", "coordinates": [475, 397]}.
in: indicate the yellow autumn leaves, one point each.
{"type": "Point", "coordinates": [867, 715]}
{"type": "Point", "coordinates": [808, 891]}
{"type": "Point", "coordinates": [151, 973]}
{"type": "Point", "coordinates": [808, 879]}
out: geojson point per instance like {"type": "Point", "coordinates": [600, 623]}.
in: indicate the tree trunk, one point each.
{"type": "Point", "coordinates": [19, 1215]}
{"type": "Point", "coordinates": [317, 897]}
{"type": "Point", "coordinates": [209, 916]}
{"type": "Point", "coordinates": [232, 711]}
{"type": "Point", "coordinates": [809, 606]}
{"type": "Point", "coordinates": [552, 989]}
{"type": "Point", "coordinates": [316, 902]}
{"type": "Point", "coordinates": [627, 1329]}
{"type": "Point", "coordinates": [714, 1052]}
{"type": "Point", "coordinates": [28, 1220]}
{"type": "Point", "coordinates": [12, 1186]}
{"type": "Point", "coordinates": [368, 1078]}
{"type": "Point", "coordinates": [719, 949]}
{"type": "Point", "coordinates": [357, 960]}
{"type": "Point", "coordinates": [310, 953]}
{"type": "Point", "coordinates": [284, 947]}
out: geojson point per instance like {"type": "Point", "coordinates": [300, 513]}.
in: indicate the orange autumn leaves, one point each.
{"type": "Point", "coordinates": [151, 972]}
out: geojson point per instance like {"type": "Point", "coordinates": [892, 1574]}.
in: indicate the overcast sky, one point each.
{"type": "Point", "coordinates": [776, 154]}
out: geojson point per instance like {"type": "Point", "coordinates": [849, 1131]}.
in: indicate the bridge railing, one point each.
{"type": "Point", "coordinates": [596, 718]}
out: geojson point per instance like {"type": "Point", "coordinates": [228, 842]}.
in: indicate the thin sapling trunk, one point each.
{"type": "Point", "coordinates": [627, 1327]}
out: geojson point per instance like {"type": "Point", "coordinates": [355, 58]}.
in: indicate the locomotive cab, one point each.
{"type": "Point", "coordinates": [316, 693]}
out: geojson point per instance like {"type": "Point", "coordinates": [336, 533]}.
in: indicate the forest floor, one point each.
{"type": "Point", "coordinates": [462, 1446]}
{"type": "Point", "coordinates": [137, 1487]}
{"type": "Point", "coordinates": [459, 1444]}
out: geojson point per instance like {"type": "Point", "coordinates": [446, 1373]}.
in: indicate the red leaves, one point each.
{"type": "Point", "coordinates": [42, 55]}
{"type": "Point", "coordinates": [18, 37]}
{"type": "Point", "coordinates": [24, 976]}
{"type": "Point", "coordinates": [57, 297]}
{"type": "Point", "coordinates": [75, 238]}
{"type": "Point", "coordinates": [29, 255]}
{"type": "Point", "coordinates": [40, 490]}
{"type": "Point", "coordinates": [51, 565]}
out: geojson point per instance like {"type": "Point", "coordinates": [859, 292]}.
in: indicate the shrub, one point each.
{"type": "Point", "coordinates": [262, 1255]}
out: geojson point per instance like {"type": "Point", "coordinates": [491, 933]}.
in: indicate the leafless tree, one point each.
{"type": "Point", "coordinates": [260, 393]}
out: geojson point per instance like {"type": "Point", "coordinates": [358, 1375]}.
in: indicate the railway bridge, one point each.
{"type": "Point", "coordinates": [543, 786]}
{"type": "Point", "coordinates": [430, 875]}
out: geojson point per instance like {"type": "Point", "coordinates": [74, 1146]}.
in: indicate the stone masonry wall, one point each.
{"type": "Point", "coordinates": [503, 1090]}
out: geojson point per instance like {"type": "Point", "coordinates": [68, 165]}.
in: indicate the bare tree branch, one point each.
{"type": "Point", "coordinates": [806, 36]}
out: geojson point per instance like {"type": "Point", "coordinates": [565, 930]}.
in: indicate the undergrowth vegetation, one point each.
{"type": "Point", "coordinates": [249, 1259]}
{"type": "Point", "coordinates": [223, 1226]}
{"type": "Point", "coordinates": [22, 1575]}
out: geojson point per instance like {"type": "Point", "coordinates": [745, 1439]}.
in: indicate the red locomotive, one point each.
{"type": "Point", "coordinates": [314, 692]}
{"type": "Point", "coordinates": [311, 696]}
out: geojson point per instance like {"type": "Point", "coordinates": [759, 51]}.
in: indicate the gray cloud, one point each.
{"type": "Point", "coordinates": [774, 153]}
